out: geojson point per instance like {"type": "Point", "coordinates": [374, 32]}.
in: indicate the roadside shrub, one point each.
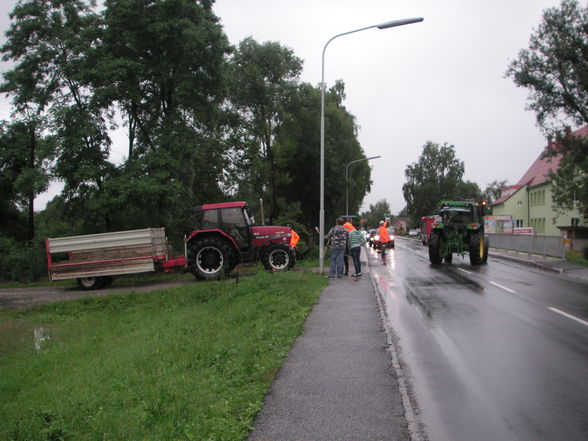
{"type": "Point", "coordinates": [21, 261]}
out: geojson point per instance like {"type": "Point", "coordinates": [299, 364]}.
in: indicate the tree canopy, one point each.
{"type": "Point", "coordinates": [204, 121]}
{"type": "Point", "coordinates": [437, 175]}
{"type": "Point", "coordinates": [555, 70]}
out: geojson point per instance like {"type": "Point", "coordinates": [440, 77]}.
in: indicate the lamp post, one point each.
{"type": "Point", "coordinates": [389, 24]}
{"type": "Point", "coordinates": [347, 177]}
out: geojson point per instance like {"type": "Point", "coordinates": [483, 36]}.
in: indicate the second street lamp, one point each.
{"type": "Point", "coordinates": [347, 178]}
{"type": "Point", "coordinates": [388, 24]}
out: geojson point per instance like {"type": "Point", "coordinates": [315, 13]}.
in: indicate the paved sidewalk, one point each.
{"type": "Point", "coordinates": [548, 263]}
{"type": "Point", "coordinates": [338, 382]}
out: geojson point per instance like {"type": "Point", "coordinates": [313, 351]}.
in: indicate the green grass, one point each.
{"type": "Point", "coordinates": [576, 256]}
{"type": "Point", "coordinates": [190, 363]}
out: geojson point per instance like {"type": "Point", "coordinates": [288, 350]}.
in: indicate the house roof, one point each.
{"type": "Point", "coordinates": [539, 171]}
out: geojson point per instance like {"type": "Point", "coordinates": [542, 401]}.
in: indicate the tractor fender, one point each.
{"type": "Point", "coordinates": [214, 232]}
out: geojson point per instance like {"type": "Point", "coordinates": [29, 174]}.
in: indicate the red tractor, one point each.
{"type": "Point", "coordinates": [225, 235]}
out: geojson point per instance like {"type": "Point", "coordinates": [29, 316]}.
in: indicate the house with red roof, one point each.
{"type": "Point", "coordinates": [529, 201]}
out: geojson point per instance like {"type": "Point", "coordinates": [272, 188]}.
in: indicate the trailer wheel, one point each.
{"type": "Point", "coordinates": [92, 283]}
{"type": "Point", "coordinates": [210, 258]}
{"type": "Point", "coordinates": [278, 257]}
{"type": "Point", "coordinates": [88, 283]}
{"type": "Point", "coordinates": [477, 249]}
{"type": "Point", "coordinates": [436, 251]}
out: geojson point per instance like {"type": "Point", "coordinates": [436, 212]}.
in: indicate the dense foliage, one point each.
{"type": "Point", "coordinates": [205, 122]}
{"type": "Point", "coordinates": [555, 69]}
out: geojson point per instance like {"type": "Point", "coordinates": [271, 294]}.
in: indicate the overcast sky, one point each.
{"type": "Point", "coordinates": [441, 80]}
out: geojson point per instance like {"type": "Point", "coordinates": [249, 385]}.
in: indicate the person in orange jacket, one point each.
{"type": "Point", "coordinates": [349, 226]}
{"type": "Point", "coordinates": [384, 236]}
{"type": "Point", "coordinates": [294, 240]}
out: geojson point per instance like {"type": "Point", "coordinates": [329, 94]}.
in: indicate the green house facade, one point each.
{"type": "Point", "coordinates": [530, 202]}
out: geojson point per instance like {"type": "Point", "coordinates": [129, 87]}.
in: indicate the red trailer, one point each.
{"type": "Point", "coordinates": [426, 228]}
{"type": "Point", "coordinates": [93, 259]}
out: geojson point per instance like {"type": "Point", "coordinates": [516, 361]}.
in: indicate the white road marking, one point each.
{"type": "Point", "coordinates": [512, 291]}
{"type": "Point", "coordinates": [465, 271]}
{"type": "Point", "coordinates": [565, 314]}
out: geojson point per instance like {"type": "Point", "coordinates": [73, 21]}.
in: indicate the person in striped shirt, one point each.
{"type": "Point", "coordinates": [356, 240]}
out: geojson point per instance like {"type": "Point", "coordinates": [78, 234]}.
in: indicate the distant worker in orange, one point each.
{"type": "Point", "coordinates": [384, 237]}
{"type": "Point", "coordinates": [294, 240]}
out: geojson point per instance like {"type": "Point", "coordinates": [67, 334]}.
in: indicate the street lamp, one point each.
{"type": "Point", "coordinates": [347, 177]}
{"type": "Point", "coordinates": [389, 24]}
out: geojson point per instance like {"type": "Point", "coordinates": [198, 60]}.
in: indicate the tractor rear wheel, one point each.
{"type": "Point", "coordinates": [486, 246]}
{"type": "Point", "coordinates": [477, 249]}
{"type": "Point", "coordinates": [436, 251]}
{"type": "Point", "coordinates": [278, 257]}
{"type": "Point", "coordinates": [210, 258]}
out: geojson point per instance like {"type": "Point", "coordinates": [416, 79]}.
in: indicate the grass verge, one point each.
{"type": "Point", "coordinates": [190, 363]}
{"type": "Point", "coordinates": [576, 256]}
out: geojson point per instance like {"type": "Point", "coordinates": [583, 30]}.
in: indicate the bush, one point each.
{"type": "Point", "coordinates": [21, 261]}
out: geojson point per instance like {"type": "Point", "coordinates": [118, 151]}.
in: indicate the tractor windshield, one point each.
{"type": "Point", "coordinates": [249, 216]}
{"type": "Point", "coordinates": [456, 215]}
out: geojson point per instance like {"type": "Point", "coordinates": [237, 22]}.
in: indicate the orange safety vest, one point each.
{"type": "Point", "coordinates": [384, 236]}
{"type": "Point", "coordinates": [295, 238]}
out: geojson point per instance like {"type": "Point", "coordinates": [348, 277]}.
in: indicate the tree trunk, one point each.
{"type": "Point", "coordinates": [31, 195]}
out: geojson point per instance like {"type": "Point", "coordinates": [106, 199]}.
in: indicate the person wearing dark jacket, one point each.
{"type": "Point", "coordinates": [338, 237]}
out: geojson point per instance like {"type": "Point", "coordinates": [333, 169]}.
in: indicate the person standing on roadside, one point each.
{"type": "Point", "coordinates": [349, 229]}
{"type": "Point", "coordinates": [338, 236]}
{"type": "Point", "coordinates": [384, 237]}
{"type": "Point", "coordinates": [356, 240]}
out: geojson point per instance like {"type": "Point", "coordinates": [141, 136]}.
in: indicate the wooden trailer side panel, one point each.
{"type": "Point", "coordinates": [106, 254]}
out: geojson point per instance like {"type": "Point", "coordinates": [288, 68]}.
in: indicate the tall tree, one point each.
{"type": "Point", "coordinates": [264, 78]}
{"type": "Point", "coordinates": [24, 157]}
{"type": "Point", "coordinates": [555, 70]}
{"type": "Point", "coordinates": [161, 63]}
{"type": "Point", "coordinates": [47, 41]}
{"type": "Point", "coordinates": [493, 190]}
{"type": "Point", "coordinates": [376, 213]}
{"type": "Point", "coordinates": [299, 155]}
{"type": "Point", "coordinates": [437, 175]}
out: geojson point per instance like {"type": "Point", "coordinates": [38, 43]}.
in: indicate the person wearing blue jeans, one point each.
{"type": "Point", "coordinates": [338, 237]}
{"type": "Point", "coordinates": [356, 240]}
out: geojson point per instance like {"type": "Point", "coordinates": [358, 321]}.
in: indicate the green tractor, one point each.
{"type": "Point", "coordinates": [459, 227]}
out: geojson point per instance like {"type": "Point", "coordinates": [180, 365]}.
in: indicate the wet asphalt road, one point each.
{"type": "Point", "coordinates": [495, 352]}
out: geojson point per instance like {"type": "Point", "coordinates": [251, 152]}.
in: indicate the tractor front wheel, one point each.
{"type": "Point", "coordinates": [210, 258]}
{"type": "Point", "coordinates": [278, 257]}
{"type": "Point", "coordinates": [436, 251]}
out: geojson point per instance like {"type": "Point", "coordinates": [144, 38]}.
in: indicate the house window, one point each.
{"type": "Point", "coordinates": [537, 198]}
{"type": "Point", "coordinates": [519, 223]}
